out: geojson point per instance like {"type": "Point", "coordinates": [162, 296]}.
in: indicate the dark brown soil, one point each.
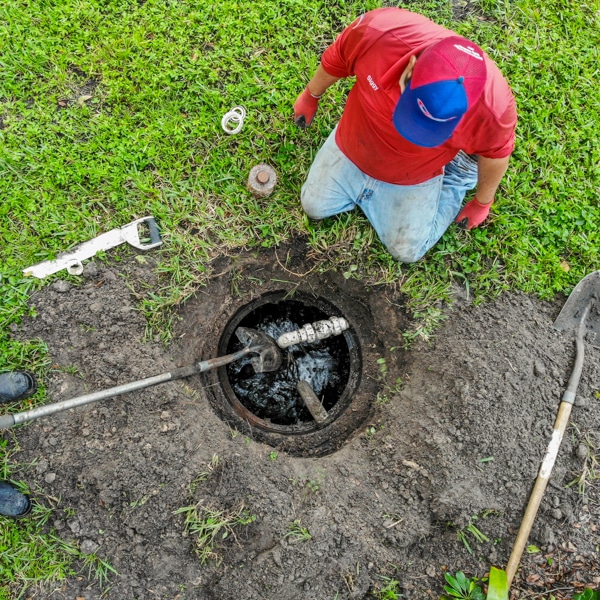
{"type": "Point", "coordinates": [452, 434]}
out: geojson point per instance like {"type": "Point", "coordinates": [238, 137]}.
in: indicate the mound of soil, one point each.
{"type": "Point", "coordinates": [433, 475]}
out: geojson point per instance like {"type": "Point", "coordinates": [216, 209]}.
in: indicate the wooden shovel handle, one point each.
{"type": "Point", "coordinates": [560, 425]}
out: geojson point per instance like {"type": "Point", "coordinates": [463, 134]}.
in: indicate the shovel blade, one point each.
{"type": "Point", "coordinates": [267, 354]}
{"type": "Point", "coordinates": [586, 293]}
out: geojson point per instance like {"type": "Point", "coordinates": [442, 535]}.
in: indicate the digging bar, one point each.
{"type": "Point", "coordinates": [268, 358]}
{"type": "Point", "coordinates": [581, 314]}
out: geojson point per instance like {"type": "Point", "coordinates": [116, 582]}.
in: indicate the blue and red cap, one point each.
{"type": "Point", "coordinates": [448, 79]}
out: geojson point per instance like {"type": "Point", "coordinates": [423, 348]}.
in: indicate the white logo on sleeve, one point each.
{"type": "Point", "coordinates": [372, 83]}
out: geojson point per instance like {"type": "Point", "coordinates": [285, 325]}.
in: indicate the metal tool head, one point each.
{"type": "Point", "coordinates": [268, 355]}
{"type": "Point", "coordinates": [585, 294]}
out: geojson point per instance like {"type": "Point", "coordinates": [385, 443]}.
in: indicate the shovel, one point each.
{"type": "Point", "coordinates": [580, 314]}
{"type": "Point", "coordinates": [268, 358]}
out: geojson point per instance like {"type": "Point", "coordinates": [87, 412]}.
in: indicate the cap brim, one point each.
{"type": "Point", "coordinates": [413, 125]}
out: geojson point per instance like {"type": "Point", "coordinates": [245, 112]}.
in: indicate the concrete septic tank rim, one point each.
{"type": "Point", "coordinates": [344, 401]}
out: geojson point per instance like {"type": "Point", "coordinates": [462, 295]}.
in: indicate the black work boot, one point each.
{"type": "Point", "coordinates": [16, 385]}
{"type": "Point", "coordinates": [12, 502]}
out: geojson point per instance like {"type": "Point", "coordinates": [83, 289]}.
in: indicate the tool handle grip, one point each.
{"type": "Point", "coordinates": [571, 391]}
{"type": "Point", "coordinates": [530, 513]}
{"type": "Point", "coordinates": [6, 421]}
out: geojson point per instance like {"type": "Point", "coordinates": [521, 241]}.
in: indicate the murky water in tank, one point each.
{"type": "Point", "coordinates": [274, 396]}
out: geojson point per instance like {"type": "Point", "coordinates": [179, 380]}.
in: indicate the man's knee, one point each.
{"type": "Point", "coordinates": [404, 253]}
{"type": "Point", "coordinates": [310, 203]}
{"type": "Point", "coordinates": [411, 257]}
{"type": "Point", "coordinates": [318, 204]}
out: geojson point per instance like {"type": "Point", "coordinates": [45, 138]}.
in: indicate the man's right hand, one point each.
{"type": "Point", "coordinates": [305, 108]}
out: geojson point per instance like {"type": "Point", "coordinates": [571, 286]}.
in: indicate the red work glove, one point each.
{"type": "Point", "coordinates": [473, 214]}
{"type": "Point", "coordinates": [305, 108]}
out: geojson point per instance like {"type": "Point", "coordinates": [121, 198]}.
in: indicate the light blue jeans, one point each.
{"type": "Point", "coordinates": [409, 219]}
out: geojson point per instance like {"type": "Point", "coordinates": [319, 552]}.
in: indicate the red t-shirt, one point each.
{"type": "Point", "coordinates": [376, 49]}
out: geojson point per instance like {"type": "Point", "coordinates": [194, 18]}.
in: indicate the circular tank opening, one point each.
{"type": "Point", "coordinates": [271, 401]}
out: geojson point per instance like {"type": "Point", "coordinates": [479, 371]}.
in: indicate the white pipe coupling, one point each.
{"type": "Point", "coordinates": [311, 332]}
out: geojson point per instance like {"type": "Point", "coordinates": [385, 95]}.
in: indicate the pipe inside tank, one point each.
{"type": "Point", "coordinates": [311, 332]}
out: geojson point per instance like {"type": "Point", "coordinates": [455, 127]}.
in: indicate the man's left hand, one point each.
{"type": "Point", "coordinates": [305, 108]}
{"type": "Point", "coordinates": [473, 214]}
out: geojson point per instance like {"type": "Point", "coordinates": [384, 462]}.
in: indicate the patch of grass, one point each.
{"type": "Point", "coordinates": [587, 450]}
{"type": "Point", "coordinates": [98, 569]}
{"type": "Point", "coordinates": [209, 525]}
{"type": "Point", "coordinates": [426, 322]}
{"type": "Point", "coordinates": [214, 464]}
{"type": "Point", "coordinates": [471, 532]}
{"type": "Point", "coordinates": [114, 112]}
{"type": "Point", "coordinates": [29, 558]}
{"type": "Point", "coordinates": [389, 589]}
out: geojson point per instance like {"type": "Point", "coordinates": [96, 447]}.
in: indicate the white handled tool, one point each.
{"type": "Point", "coordinates": [71, 260]}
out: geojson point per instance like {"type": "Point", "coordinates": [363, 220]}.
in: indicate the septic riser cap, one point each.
{"type": "Point", "coordinates": [262, 180]}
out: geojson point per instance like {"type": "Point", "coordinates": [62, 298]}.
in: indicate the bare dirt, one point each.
{"type": "Point", "coordinates": [452, 435]}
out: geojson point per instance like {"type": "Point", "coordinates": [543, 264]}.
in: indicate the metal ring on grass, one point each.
{"type": "Point", "coordinates": [233, 121]}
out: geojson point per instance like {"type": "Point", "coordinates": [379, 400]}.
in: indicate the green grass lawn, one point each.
{"type": "Point", "coordinates": [110, 110]}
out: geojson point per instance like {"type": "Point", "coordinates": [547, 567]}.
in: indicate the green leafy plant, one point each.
{"type": "Point", "coordinates": [459, 586]}
{"type": "Point", "coordinates": [497, 585]}
{"type": "Point", "coordinates": [310, 486]}
{"type": "Point", "coordinates": [297, 533]}
{"type": "Point", "coordinates": [370, 432]}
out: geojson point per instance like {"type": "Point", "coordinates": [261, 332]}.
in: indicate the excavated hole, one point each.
{"type": "Point", "coordinates": [270, 401]}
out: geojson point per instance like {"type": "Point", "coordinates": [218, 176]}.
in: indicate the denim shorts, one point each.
{"type": "Point", "coordinates": [409, 219]}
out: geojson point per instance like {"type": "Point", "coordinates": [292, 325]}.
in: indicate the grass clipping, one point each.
{"type": "Point", "coordinates": [208, 526]}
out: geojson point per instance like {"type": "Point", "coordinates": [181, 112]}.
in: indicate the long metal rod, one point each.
{"type": "Point", "coordinates": [7, 421]}
{"type": "Point", "coordinates": [49, 409]}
